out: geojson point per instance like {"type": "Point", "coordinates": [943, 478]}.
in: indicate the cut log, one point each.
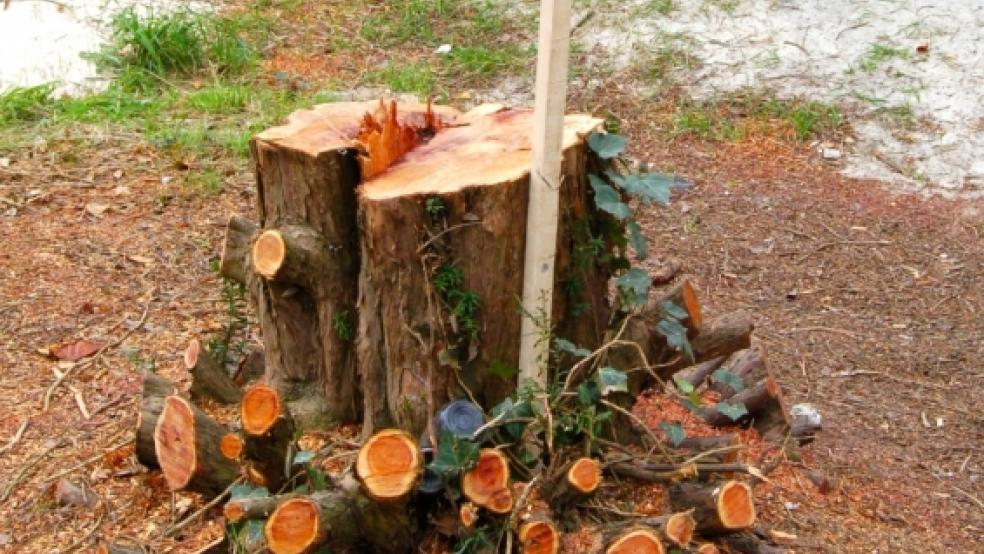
{"type": "Point", "coordinates": [708, 548]}
{"type": "Point", "coordinates": [722, 336]}
{"type": "Point", "coordinates": [307, 171]}
{"type": "Point", "coordinates": [187, 445]}
{"type": "Point", "coordinates": [155, 390]}
{"type": "Point", "coordinates": [344, 520]}
{"type": "Point", "coordinates": [749, 365]}
{"type": "Point", "coordinates": [538, 535]}
{"type": "Point", "coordinates": [676, 529]}
{"type": "Point", "coordinates": [760, 400]}
{"type": "Point", "coordinates": [256, 507]}
{"type": "Point", "coordinates": [231, 446]}
{"type": "Point", "coordinates": [717, 508]}
{"type": "Point", "coordinates": [435, 302]}
{"type": "Point", "coordinates": [389, 465]}
{"type": "Point", "coordinates": [209, 378]}
{"type": "Point", "coordinates": [698, 445]}
{"type": "Point", "coordinates": [697, 374]}
{"type": "Point", "coordinates": [573, 483]}
{"type": "Point", "coordinates": [269, 435]}
{"type": "Point", "coordinates": [250, 368]}
{"type": "Point", "coordinates": [467, 515]}
{"type": "Point", "coordinates": [487, 484]}
{"type": "Point", "coordinates": [636, 541]}
{"type": "Point", "coordinates": [235, 249]}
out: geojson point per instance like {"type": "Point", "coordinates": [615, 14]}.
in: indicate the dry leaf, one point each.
{"type": "Point", "coordinates": [96, 209]}
{"type": "Point", "coordinates": [76, 350]}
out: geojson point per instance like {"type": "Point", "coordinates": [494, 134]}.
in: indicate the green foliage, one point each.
{"type": "Point", "coordinates": [435, 207]}
{"type": "Point", "coordinates": [417, 77]}
{"type": "Point", "coordinates": [637, 240]}
{"type": "Point", "coordinates": [692, 399]}
{"type": "Point", "coordinates": [511, 409]}
{"type": "Point", "coordinates": [674, 432]}
{"type": "Point", "coordinates": [25, 103]}
{"type": "Point", "coordinates": [341, 322]}
{"type": "Point", "coordinates": [733, 411]}
{"type": "Point", "coordinates": [633, 287]}
{"type": "Point", "coordinates": [234, 296]}
{"type": "Point", "coordinates": [607, 145]}
{"type": "Point", "coordinates": [448, 278]}
{"type": "Point", "coordinates": [675, 333]}
{"type": "Point", "coordinates": [464, 304]}
{"type": "Point", "coordinates": [608, 199]}
{"type": "Point", "coordinates": [564, 345]}
{"type": "Point", "coordinates": [454, 456]}
{"type": "Point", "coordinates": [503, 370]}
{"type": "Point", "coordinates": [726, 377]}
{"type": "Point", "coordinates": [474, 543]}
{"type": "Point", "coordinates": [879, 54]}
{"type": "Point", "coordinates": [220, 99]}
{"type": "Point", "coordinates": [611, 380]}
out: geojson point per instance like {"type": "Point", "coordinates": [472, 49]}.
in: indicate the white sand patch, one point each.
{"type": "Point", "coordinates": [42, 41]}
{"type": "Point", "coordinates": [911, 72]}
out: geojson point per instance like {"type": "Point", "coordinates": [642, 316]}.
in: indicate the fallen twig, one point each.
{"type": "Point", "coordinates": [23, 471]}
{"type": "Point", "coordinates": [86, 462]}
{"type": "Point", "coordinates": [17, 436]}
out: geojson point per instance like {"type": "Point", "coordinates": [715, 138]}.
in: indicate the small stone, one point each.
{"type": "Point", "coordinates": [443, 49]}
{"type": "Point", "coordinates": [831, 154]}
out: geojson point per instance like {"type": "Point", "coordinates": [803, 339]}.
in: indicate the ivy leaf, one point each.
{"type": "Point", "coordinates": [635, 284]}
{"type": "Point", "coordinates": [672, 310]}
{"type": "Point", "coordinates": [453, 456]}
{"type": "Point", "coordinates": [607, 145]}
{"type": "Point", "coordinates": [588, 393]}
{"type": "Point", "coordinates": [247, 491]}
{"type": "Point", "coordinates": [682, 384]}
{"type": "Point", "coordinates": [729, 378]}
{"type": "Point", "coordinates": [676, 336]}
{"type": "Point", "coordinates": [610, 379]}
{"type": "Point", "coordinates": [303, 457]}
{"type": "Point", "coordinates": [638, 240]}
{"type": "Point", "coordinates": [513, 410]}
{"type": "Point", "coordinates": [607, 199]}
{"type": "Point", "coordinates": [674, 432]}
{"type": "Point", "coordinates": [733, 411]}
{"type": "Point", "coordinates": [565, 345]}
{"type": "Point", "coordinates": [502, 370]}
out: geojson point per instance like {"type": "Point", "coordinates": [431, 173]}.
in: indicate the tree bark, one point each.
{"type": "Point", "coordinates": [717, 508]}
{"type": "Point", "coordinates": [256, 507]}
{"type": "Point", "coordinates": [749, 365]}
{"type": "Point", "coordinates": [346, 520]}
{"type": "Point", "coordinates": [187, 445]}
{"type": "Point", "coordinates": [209, 378]}
{"type": "Point", "coordinates": [269, 435]}
{"type": "Point", "coordinates": [155, 390]}
{"type": "Point", "coordinates": [438, 300]}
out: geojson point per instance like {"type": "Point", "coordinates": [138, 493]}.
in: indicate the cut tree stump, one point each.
{"type": "Point", "coordinates": [538, 535]}
{"type": "Point", "coordinates": [717, 508]}
{"type": "Point", "coordinates": [438, 299]}
{"type": "Point", "coordinates": [187, 445]}
{"type": "Point", "coordinates": [209, 378]}
{"type": "Point", "coordinates": [155, 390]}
{"type": "Point", "coordinates": [269, 435]}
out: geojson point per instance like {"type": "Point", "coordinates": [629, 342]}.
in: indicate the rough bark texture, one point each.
{"type": "Point", "coordinates": [748, 364]}
{"type": "Point", "coordinates": [209, 378]}
{"type": "Point", "coordinates": [187, 445]}
{"type": "Point", "coordinates": [257, 507]}
{"type": "Point", "coordinates": [155, 390]}
{"type": "Point", "coordinates": [460, 202]}
{"type": "Point", "coordinates": [344, 520]}
{"type": "Point", "coordinates": [269, 431]}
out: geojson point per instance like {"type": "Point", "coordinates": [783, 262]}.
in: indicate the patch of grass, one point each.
{"type": "Point", "coordinates": [662, 7]}
{"type": "Point", "coordinates": [732, 117]}
{"type": "Point", "coordinates": [416, 77]}
{"type": "Point", "coordinates": [207, 181]}
{"type": "Point", "coordinates": [879, 54]}
{"type": "Point", "coordinates": [220, 99]}
{"type": "Point", "coordinates": [21, 104]}
{"type": "Point", "coordinates": [727, 6]}
{"type": "Point", "coordinates": [483, 62]}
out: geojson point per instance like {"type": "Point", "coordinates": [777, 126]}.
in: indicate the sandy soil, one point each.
{"type": "Point", "coordinates": [874, 58]}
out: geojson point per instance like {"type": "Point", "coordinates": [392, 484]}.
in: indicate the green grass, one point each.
{"type": "Point", "coordinates": [663, 7]}
{"type": "Point", "coordinates": [879, 54]}
{"type": "Point", "coordinates": [416, 77]}
{"type": "Point", "coordinates": [727, 119]}
{"type": "Point", "coordinates": [21, 104]}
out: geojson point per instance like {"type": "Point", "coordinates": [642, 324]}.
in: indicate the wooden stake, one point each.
{"type": "Point", "coordinates": [544, 203]}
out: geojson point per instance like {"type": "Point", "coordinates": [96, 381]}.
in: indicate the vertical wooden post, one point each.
{"type": "Point", "coordinates": [541, 222]}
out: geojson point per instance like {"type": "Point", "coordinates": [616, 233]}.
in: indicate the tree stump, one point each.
{"type": "Point", "coordinates": [387, 265]}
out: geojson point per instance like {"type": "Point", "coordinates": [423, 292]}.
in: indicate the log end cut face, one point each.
{"type": "Point", "coordinates": [388, 465]}
{"type": "Point", "coordinates": [335, 126]}
{"type": "Point", "coordinates": [539, 537]}
{"type": "Point", "coordinates": [293, 527]}
{"type": "Point", "coordinates": [735, 505]}
{"type": "Point", "coordinates": [487, 484]}
{"type": "Point", "coordinates": [680, 528]}
{"type": "Point", "coordinates": [269, 253]}
{"type": "Point", "coordinates": [174, 441]}
{"type": "Point", "coordinates": [191, 354]}
{"type": "Point", "coordinates": [231, 446]}
{"type": "Point", "coordinates": [260, 409]}
{"type": "Point", "coordinates": [585, 475]}
{"type": "Point", "coordinates": [493, 147]}
{"type": "Point", "coordinates": [637, 541]}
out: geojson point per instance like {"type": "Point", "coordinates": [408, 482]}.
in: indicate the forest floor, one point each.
{"type": "Point", "coordinates": [869, 302]}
